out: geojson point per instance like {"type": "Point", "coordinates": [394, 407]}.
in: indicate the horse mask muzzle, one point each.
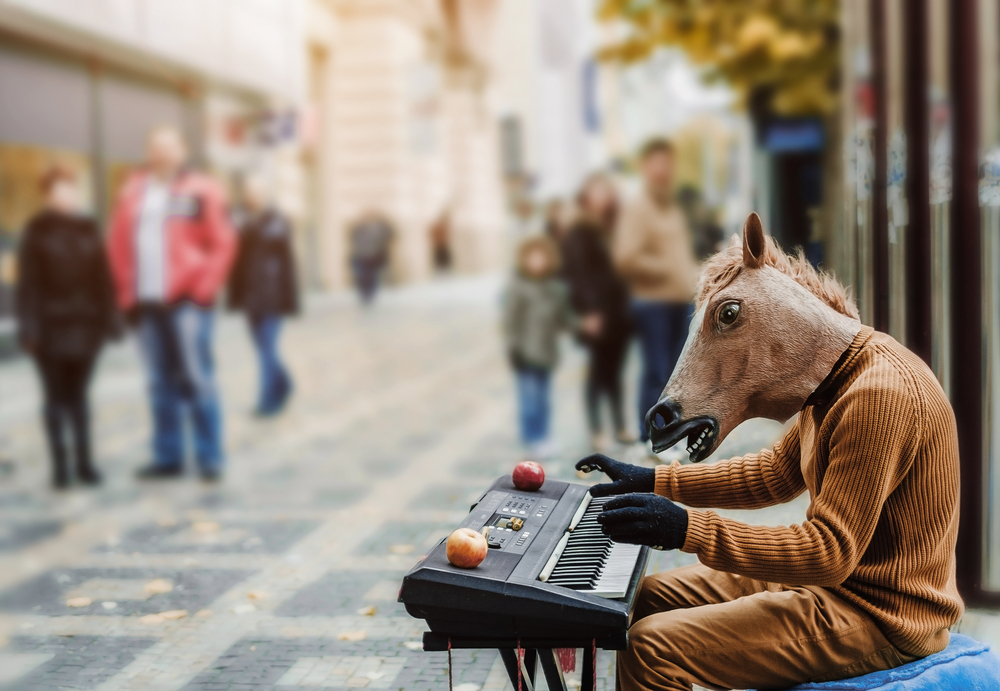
{"type": "Point", "coordinates": [666, 426]}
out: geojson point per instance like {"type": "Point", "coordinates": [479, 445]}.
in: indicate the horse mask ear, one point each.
{"type": "Point", "coordinates": [753, 242]}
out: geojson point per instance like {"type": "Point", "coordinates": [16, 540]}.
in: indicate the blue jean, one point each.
{"type": "Point", "coordinates": [662, 329]}
{"type": "Point", "coordinates": [533, 403]}
{"type": "Point", "coordinates": [275, 382]}
{"type": "Point", "coordinates": [176, 346]}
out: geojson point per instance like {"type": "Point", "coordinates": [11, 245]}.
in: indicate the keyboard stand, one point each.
{"type": "Point", "coordinates": [536, 653]}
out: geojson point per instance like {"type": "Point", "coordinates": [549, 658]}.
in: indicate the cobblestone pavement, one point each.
{"type": "Point", "coordinates": [285, 574]}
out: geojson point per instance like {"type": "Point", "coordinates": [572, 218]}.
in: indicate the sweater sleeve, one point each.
{"type": "Point", "coordinates": [754, 481]}
{"type": "Point", "coordinates": [871, 448]}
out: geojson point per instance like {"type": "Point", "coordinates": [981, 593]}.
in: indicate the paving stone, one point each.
{"type": "Point", "coordinates": [17, 535]}
{"type": "Point", "coordinates": [327, 664]}
{"type": "Point", "coordinates": [344, 592]}
{"type": "Point", "coordinates": [192, 589]}
{"type": "Point", "coordinates": [251, 537]}
{"type": "Point", "coordinates": [417, 534]}
{"type": "Point", "coordinates": [68, 662]}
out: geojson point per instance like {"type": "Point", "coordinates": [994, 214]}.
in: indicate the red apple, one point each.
{"type": "Point", "coordinates": [528, 476]}
{"type": "Point", "coordinates": [466, 548]}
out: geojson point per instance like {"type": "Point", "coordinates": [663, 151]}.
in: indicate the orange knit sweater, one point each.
{"type": "Point", "coordinates": [877, 449]}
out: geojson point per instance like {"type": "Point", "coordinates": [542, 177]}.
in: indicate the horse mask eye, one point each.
{"type": "Point", "coordinates": [728, 314]}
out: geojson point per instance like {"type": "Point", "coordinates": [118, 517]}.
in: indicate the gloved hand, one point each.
{"type": "Point", "coordinates": [625, 478]}
{"type": "Point", "coordinates": [644, 519]}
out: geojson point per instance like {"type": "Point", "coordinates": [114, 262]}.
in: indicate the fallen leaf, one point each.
{"type": "Point", "coordinates": [358, 635]}
{"type": "Point", "coordinates": [245, 608]}
{"type": "Point", "coordinates": [368, 611]}
{"type": "Point", "coordinates": [78, 602]}
{"type": "Point", "coordinates": [414, 645]}
{"type": "Point", "coordinates": [109, 605]}
{"type": "Point", "coordinates": [203, 613]}
{"type": "Point", "coordinates": [467, 687]}
{"type": "Point", "coordinates": [151, 619]}
{"type": "Point", "coordinates": [257, 595]}
{"type": "Point", "coordinates": [205, 527]}
{"type": "Point", "coordinates": [172, 614]}
{"type": "Point", "coordinates": [253, 648]}
{"type": "Point", "coordinates": [158, 586]}
{"type": "Point", "coordinates": [378, 675]}
{"type": "Point", "coordinates": [400, 549]}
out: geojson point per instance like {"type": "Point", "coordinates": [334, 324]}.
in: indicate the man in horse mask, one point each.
{"type": "Point", "coordinates": [867, 581]}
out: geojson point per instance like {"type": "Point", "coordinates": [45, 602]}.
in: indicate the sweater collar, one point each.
{"type": "Point", "coordinates": [828, 388]}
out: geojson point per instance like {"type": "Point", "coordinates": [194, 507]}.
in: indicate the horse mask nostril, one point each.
{"type": "Point", "coordinates": [663, 414]}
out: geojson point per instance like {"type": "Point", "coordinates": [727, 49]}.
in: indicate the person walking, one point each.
{"type": "Point", "coordinates": [370, 240]}
{"type": "Point", "coordinates": [65, 311]}
{"type": "Point", "coordinates": [536, 310]}
{"type": "Point", "coordinates": [171, 246]}
{"type": "Point", "coordinates": [654, 254]}
{"type": "Point", "coordinates": [600, 297]}
{"type": "Point", "coordinates": [263, 284]}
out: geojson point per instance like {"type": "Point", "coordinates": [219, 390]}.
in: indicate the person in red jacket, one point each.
{"type": "Point", "coordinates": [170, 247]}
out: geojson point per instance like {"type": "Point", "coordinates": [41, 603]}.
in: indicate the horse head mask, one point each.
{"type": "Point", "coordinates": [767, 330]}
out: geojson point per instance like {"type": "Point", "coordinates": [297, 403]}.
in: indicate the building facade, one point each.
{"type": "Point", "coordinates": [405, 128]}
{"type": "Point", "coordinates": [84, 81]}
{"type": "Point", "coordinates": [921, 224]}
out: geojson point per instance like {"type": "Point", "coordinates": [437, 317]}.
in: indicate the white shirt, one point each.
{"type": "Point", "coordinates": [151, 242]}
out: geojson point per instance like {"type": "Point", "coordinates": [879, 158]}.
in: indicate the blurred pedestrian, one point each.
{"type": "Point", "coordinates": [601, 298]}
{"type": "Point", "coordinates": [370, 240]}
{"type": "Point", "coordinates": [653, 252]}
{"type": "Point", "coordinates": [263, 284]}
{"type": "Point", "coordinates": [558, 215]}
{"type": "Point", "coordinates": [708, 236]}
{"type": "Point", "coordinates": [65, 311]}
{"type": "Point", "coordinates": [536, 310]}
{"type": "Point", "coordinates": [440, 237]}
{"type": "Point", "coordinates": [171, 246]}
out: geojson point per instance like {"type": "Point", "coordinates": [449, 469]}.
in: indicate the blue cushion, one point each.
{"type": "Point", "coordinates": [965, 665]}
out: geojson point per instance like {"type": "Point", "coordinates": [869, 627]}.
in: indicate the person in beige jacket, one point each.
{"type": "Point", "coordinates": [654, 253]}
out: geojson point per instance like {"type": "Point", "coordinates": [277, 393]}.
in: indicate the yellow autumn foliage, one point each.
{"type": "Point", "coordinates": [786, 49]}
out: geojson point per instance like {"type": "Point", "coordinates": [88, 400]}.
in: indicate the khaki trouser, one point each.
{"type": "Point", "coordinates": [722, 631]}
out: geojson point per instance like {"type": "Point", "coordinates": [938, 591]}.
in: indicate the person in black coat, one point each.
{"type": "Point", "coordinates": [65, 311]}
{"type": "Point", "coordinates": [263, 284]}
{"type": "Point", "coordinates": [601, 298]}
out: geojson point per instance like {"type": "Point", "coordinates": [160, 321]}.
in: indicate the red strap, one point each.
{"type": "Point", "coordinates": [450, 684]}
{"type": "Point", "coordinates": [519, 655]}
{"type": "Point", "coordinates": [567, 659]}
{"type": "Point", "coordinates": [593, 657]}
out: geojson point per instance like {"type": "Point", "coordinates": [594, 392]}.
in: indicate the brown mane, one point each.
{"type": "Point", "coordinates": [721, 269]}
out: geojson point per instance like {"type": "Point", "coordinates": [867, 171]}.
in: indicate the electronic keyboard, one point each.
{"type": "Point", "coordinates": [550, 573]}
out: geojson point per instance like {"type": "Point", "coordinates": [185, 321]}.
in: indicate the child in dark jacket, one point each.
{"type": "Point", "coordinates": [536, 310]}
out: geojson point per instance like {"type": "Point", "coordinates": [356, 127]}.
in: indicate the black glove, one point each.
{"type": "Point", "coordinates": [626, 478]}
{"type": "Point", "coordinates": [644, 519]}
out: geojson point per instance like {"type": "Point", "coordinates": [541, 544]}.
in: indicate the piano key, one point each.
{"type": "Point", "coordinates": [580, 511]}
{"type": "Point", "coordinates": [554, 558]}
